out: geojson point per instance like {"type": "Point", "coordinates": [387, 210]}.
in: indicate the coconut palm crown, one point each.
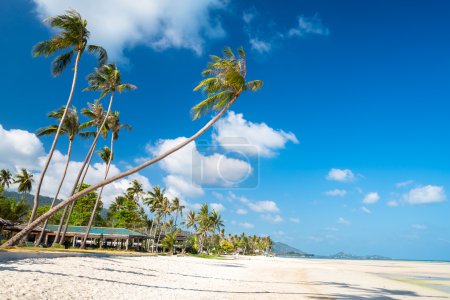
{"type": "Point", "coordinates": [72, 38]}
{"type": "Point", "coordinates": [225, 82]}
{"type": "Point", "coordinates": [107, 79]}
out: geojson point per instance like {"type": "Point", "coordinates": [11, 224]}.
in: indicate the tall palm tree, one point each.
{"type": "Point", "coordinates": [70, 127]}
{"type": "Point", "coordinates": [191, 220]}
{"type": "Point", "coordinates": [177, 208]}
{"type": "Point", "coordinates": [6, 178]}
{"type": "Point", "coordinates": [25, 181]}
{"type": "Point", "coordinates": [106, 79]}
{"type": "Point", "coordinates": [71, 38]}
{"type": "Point", "coordinates": [153, 201]}
{"type": "Point", "coordinates": [224, 84]}
{"type": "Point", "coordinates": [204, 224]}
{"type": "Point", "coordinates": [107, 156]}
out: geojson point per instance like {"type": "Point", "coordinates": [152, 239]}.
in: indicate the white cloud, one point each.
{"type": "Point", "coordinates": [256, 206]}
{"type": "Point", "coordinates": [426, 194]}
{"type": "Point", "coordinates": [22, 149]}
{"type": "Point", "coordinates": [341, 175]}
{"type": "Point", "coordinates": [234, 133]}
{"type": "Point", "coordinates": [336, 193]}
{"type": "Point", "coordinates": [392, 203]}
{"type": "Point", "coordinates": [158, 24]}
{"type": "Point", "coordinates": [419, 226]}
{"type": "Point", "coordinates": [183, 187]}
{"type": "Point", "coordinates": [343, 221]}
{"type": "Point", "coordinates": [217, 207]}
{"type": "Point", "coordinates": [331, 229]}
{"type": "Point", "coordinates": [272, 218]}
{"type": "Point", "coordinates": [19, 149]}
{"type": "Point", "coordinates": [294, 220]}
{"type": "Point", "coordinates": [371, 198]}
{"type": "Point", "coordinates": [191, 170]}
{"type": "Point", "coordinates": [247, 225]}
{"type": "Point", "coordinates": [260, 45]}
{"type": "Point", "coordinates": [404, 184]}
{"type": "Point", "coordinates": [241, 211]}
{"type": "Point", "coordinates": [309, 26]}
{"type": "Point", "coordinates": [365, 210]}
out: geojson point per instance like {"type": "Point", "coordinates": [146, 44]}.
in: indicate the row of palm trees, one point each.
{"type": "Point", "coordinates": [223, 85]}
{"type": "Point", "coordinates": [24, 179]}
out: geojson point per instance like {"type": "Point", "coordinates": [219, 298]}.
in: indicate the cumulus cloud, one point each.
{"type": "Point", "coordinates": [392, 203]}
{"type": "Point", "coordinates": [343, 221]}
{"type": "Point", "coordinates": [272, 218]}
{"type": "Point", "coordinates": [158, 24]}
{"type": "Point", "coordinates": [217, 207]}
{"type": "Point", "coordinates": [256, 206]}
{"type": "Point", "coordinates": [260, 45]}
{"type": "Point", "coordinates": [22, 149]}
{"type": "Point", "coordinates": [247, 225]}
{"type": "Point", "coordinates": [365, 210]}
{"type": "Point", "coordinates": [336, 193]}
{"type": "Point", "coordinates": [241, 211]}
{"type": "Point", "coordinates": [234, 133]}
{"type": "Point", "coordinates": [189, 170]}
{"type": "Point", "coordinates": [425, 195]}
{"type": "Point", "coordinates": [341, 175]}
{"type": "Point", "coordinates": [307, 26]}
{"type": "Point", "coordinates": [371, 198]}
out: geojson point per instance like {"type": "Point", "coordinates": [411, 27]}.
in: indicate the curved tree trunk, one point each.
{"type": "Point", "coordinates": [55, 140]}
{"type": "Point", "coordinates": [69, 152]}
{"type": "Point", "coordinates": [91, 151]}
{"type": "Point", "coordinates": [93, 187]}
{"type": "Point", "coordinates": [91, 219]}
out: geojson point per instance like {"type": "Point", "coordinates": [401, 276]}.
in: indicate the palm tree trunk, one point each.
{"type": "Point", "coordinates": [69, 152]}
{"type": "Point", "coordinates": [93, 187]}
{"type": "Point", "coordinates": [91, 153]}
{"type": "Point", "coordinates": [150, 233]}
{"type": "Point", "coordinates": [159, 236]}
{"type": "Point", "coordinates": [63, 216]}
{"type": "Point", "coordinates": [55, 140]}
{"type": "Point", "coordinates": [91, 219]}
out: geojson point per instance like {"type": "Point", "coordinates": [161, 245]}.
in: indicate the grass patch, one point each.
{"type": "Point", "coordinates": [206, 256]}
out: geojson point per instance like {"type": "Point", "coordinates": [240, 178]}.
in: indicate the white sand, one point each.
{"type": "Point", "coordinates": [145, 277]}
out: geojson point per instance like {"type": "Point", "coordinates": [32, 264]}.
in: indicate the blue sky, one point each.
{"type": "Point", "coordinates": [351, 125]}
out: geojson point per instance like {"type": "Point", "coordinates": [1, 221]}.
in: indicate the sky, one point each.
{"type": "Point", "coordinates": [346, 147]}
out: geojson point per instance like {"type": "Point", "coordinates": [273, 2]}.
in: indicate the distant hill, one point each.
{"type": "Point", "coordinates": [285, 250]}
{"type": "Point", "coordinates": [29, 199]}
{"type": "Point", "coordinates": [281, 249]}
{"type": "Point", "coordinates": [43, 200]}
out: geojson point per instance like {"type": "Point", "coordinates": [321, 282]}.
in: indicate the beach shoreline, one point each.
{"type": "Point", "coordinates": [141, 277]}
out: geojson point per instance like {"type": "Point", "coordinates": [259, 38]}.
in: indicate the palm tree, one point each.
{"type": "Point", "coordinates": [164, 209]}
{"type": "Point", "coordinates": [135, 190]}
{"type": "Point", "coordinates": [204, 224]}
{"type": "Point", "coordinates": [106, 79]}
{"type": "Point", "coordinates": [177, 208]}
{"type": "Point", "coordinates": [224, 84]}
{"type": "Point", "coordinates": [154, 201]}
{"type": "Point", "coordinates": [25, 181]}
{"type": "Point", "coordinates": [6, 178]}
{"type": "Point", "coordinates": [107, 156]}
{"type": "Point", "coordinates": [70, 127]}
{"type": "Point", "coordinates": [71, 38]}
{"type": "Point", "coordinates": [190, 220]}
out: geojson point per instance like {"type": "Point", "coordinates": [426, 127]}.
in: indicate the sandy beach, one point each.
{"type": "Point", "coordinates": [164, 277]}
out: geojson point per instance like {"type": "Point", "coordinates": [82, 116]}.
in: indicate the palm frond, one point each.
{"type": "Point", "coordinates": [60, 63]}
{"type": "Point", "coordinates": [100, 51]}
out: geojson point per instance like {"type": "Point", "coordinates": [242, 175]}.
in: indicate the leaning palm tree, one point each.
{"type": "Point", "coordinates": [224, 84]}
{"type": "Point", "coordinates": [25, 181]}
{"type": "Point", "coordinates": [6, 178]}
{"type": "Point", "coordinates": [107, 156]}
{"type": "Point", "coordinates": [71, 127]}
{"type": "Point", "coordinates": [106, 79]}
{"type": "Point", "coordinates": [71, 38]}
